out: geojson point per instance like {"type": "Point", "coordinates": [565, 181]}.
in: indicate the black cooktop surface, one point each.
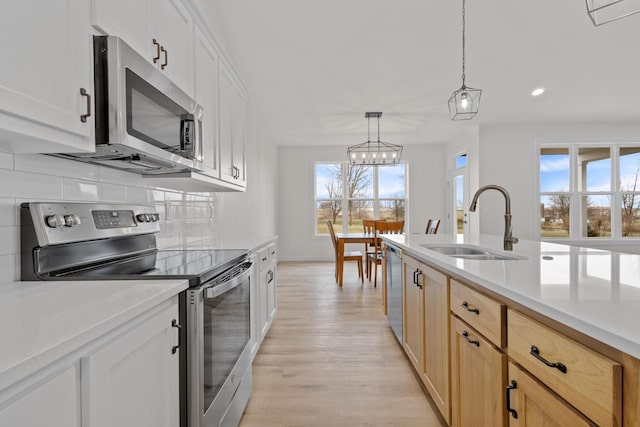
{"type": "Point", "coordinates": [198, 266]}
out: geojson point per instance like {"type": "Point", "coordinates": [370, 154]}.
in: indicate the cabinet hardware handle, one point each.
{"type": "Point", "coordinates": [83, 92]}
{"type": "Point", "coordinates": [157, 57]}
{"type": "Point", "coordinates": [264, 259]}
{"type": "Point", "coordinates": [512, 386]}
{"type": "Point", "coordinates": [270, 274]}
{"type": "Point", "coordinates": [535, 352]}
{"type": "Point", "coordinates": [166, 58]}
{"type": "Point", "coordinates": [465, 335]}
{"type": "Point", "coordinates": [418, 278]}
{"type": "Point", "coordinates": [415, 281]}
{"type": "Point", "coordinates": [465, 305]}
{"type": "Point", "coordinates": [175, 324]}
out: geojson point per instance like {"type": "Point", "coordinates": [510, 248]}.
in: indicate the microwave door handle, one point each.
{"type": "Point", "coordinates": [216, 291]}
{"type": "Point", "coordinates": [186, 133]}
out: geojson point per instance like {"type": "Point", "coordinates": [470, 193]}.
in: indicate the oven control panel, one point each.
{"type": "Point", "coordinates": [56, 223]}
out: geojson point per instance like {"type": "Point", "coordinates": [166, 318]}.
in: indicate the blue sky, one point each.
{"type": "Point", "coordinates": [390, 180]}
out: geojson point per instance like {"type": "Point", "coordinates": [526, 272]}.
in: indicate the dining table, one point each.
{"type": "Point", "coordinates": [345, 238]}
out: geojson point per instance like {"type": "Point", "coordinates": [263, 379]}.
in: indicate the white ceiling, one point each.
{"type": "Point", "coordinates": [315, 67]}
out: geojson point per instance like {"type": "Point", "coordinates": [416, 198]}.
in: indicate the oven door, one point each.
{"type": "Point", "coordinates": [219, 374]}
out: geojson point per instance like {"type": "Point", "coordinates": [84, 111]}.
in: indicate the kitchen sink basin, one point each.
{"type": "Point", "coordinates": [470, 252]}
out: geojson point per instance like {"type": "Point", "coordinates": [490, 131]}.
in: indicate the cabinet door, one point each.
{"type": "Point", "coordinates": [478, 379]}
{"type": "Point", "coordinates": [435, 373]}
{"type": "Point", "coordinates": [206, 90]}
{"type": "Point", "coordinates": [536, 406]}
{"type": "Point", "coordinates": [271, 292]}
{"type": "Point", "coordinates": [255, 306]}
{"type": "Point", "coordinates": [133, 381]}
{"type": "Point", "coordinates": [132, 21]}
{"type": "Point", "coordinates": [413, 336]}
{"type": "Point", "coordinates": [232, 122]}
{"type": "Point", "coordinates": [174, 29]}
{"type": "Point", "coordinates": [47, 57]}
{"type": "Point", "coordinates": [240, 135]}
{"type": "Point", "coordinates": [55, 402]}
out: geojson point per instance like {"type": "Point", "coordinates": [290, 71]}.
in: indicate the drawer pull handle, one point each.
{"type": "Point", "coordinates": [465, 305]}
{"type": "Point", "coordinates": [535, 352]}
{"type": "Point", "coordinates": [83, 117]}
{"type": "Point", "coordinates": [465, 335]}
{"type": "Point", "coordinates": [512, 386]}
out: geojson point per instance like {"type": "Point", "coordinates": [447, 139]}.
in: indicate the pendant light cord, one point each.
{"type": "Point", "coordinates": [463, 41]}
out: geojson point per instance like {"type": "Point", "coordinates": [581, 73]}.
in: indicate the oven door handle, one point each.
{"type": "Point", "coordinates": [216, 291]}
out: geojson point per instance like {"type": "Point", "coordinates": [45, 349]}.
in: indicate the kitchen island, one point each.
{"type": "Point", "coordinates": [576, 303]}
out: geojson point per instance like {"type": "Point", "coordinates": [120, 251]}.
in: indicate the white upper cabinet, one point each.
{"type": "Point", "coordinates": [233, 123]}
{"type": "Point", "coordinates": [47, 60]}
{"type": "Point", "coordinates": [160, 30]}
{"type": "Point", "coordinates": [206, 90]}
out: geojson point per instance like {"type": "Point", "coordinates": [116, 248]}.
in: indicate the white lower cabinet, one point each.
{"type": "Point", "coordinates": [134, 380]}
{"type": "Point", "coordinates": [265, 297]}
{"type": "Point", "coordinates": [128, 378]}
{"type": "Point", "coordinates": [53, 401]}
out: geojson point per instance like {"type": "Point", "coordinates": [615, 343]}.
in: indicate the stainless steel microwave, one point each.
{"type": "Point", "coordinates": [144, 123]}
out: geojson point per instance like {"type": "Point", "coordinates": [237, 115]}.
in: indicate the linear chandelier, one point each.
{"type": "Point", "coordinates": [374, 153]}
{"type": "Point", "coordinates": [605, 11]}
{"type": "Point", "coordinates": [464, 102]}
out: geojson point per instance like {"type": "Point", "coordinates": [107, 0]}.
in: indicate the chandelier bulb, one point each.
{"type": "Point", "coordinates": [464, 100]}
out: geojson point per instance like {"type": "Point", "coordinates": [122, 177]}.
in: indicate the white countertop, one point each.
{"type": "Point", "coordinates": [250, 243]}
{"type": "Point", "coordinates": [41, 322]}
{"type": "Point", "coordinates": [593, 291]}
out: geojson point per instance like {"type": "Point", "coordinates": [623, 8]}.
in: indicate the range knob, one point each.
{"type": "Point", "coordinates": [142, 217]}
{"type": "Point", "coordinates": [55, 221]}
{"type": "Point", "coordinates": [154, 217]}
{"type": "Point", "coordinates": [72, 220]}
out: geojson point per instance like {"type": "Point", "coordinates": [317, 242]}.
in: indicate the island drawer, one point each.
{"type": "Point", "coordinates": [591, 382]}
{"type": "Point", "coordinates": [484, 314]}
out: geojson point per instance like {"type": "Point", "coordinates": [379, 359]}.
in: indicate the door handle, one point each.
{"type": "Point", "coordinates": [512, 386]}
{"type": "Point", "coordinates": [83, 117]}
{"type": "Point", "coordinates": [465, 335]}
{"type": "Point", "coordinates": [175, 324]}
{"type": "Point", "coordinates": [419, 273]}
{"type": "Point", "coordinates": [166, 58]}
{"type": "Point", "coordinates": [157, 57]}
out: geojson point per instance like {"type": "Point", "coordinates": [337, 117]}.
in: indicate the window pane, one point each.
{"type": "Point", "coordinates": [328, 181]}
{"type": "Point", "coordinates": [328, 210]}
{"type": "Point", "coordinates": [459, 204]}
{"type": "Point", "coordinates": [596, 216]}
{"type": "Point", "coordinates": [629, 168]}
{"type": "Point", "coordinates": [630, 215]}
{"type": "Point", "coordinates": [359, 182]}
{"type": "Point", "coordinates": [594, 169]}
{"type": "Point", "coordinates": [554, 169]}
{"type": "Point", "coordinates": [461, 161]}
{"type": "Point", "coordinates": [391, 181]}
{"type": "Point", "coordinates": [392, 210]}
{"type": "Point", "coordinates": [554, 215]}
{"type": "Point", "coordinates": [359, 209]}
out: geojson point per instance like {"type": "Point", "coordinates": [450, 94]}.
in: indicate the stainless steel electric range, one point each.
{"type": "Point", "coordinates": [87, 241]}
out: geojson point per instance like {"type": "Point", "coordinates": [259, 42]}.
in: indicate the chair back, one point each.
{"type": "Point", "coordinates": [367, 225]}
{"type": "Point", "coordinates": [332, 233]}
{"type": "Point", "coordinates": [386, 227]}
{"type": "Point", "coordinates": [432, 226]}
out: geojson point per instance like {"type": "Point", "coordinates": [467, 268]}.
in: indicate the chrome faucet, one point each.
{"type": "Point", "coordinates": [509, 240]}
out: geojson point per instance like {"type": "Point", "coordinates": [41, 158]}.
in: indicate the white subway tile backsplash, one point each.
{"type": "Point", "coordinates": [8, 271]}
{"type": "Point", "coordinates": [116, 176]}
{"type": "Point", "coordinates": [8, 212]}
{"type": "Point", "coordinates": [138, 195]}
{"type": "Point", "coordinates": [49, 165]}
{"type": "Point", "coordinates": [30, 186]}
{"type": "Point", "coordinates": [6, 161]}
{"type": "Point", "coordinates": [80, 190]}
{"type": "Point", "coordinates": [9, 237]}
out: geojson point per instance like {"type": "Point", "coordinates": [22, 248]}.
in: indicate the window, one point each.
{"type": "Point", "coordinates": [589, 191]}
{"type": "Point", "coordinates": [346, 194]}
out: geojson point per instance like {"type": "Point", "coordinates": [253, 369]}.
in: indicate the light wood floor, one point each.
{"type": "Point", "coordinates": [330, 359]}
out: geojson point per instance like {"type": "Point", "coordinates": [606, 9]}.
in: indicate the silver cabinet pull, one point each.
{"type": "Point", "coordinates": [83, 117]}
{"type": "Point", "coordinates": [157, 57]}
{"type": "Point", "coordinates": [175, 324]}
{"type": "Point", "coordinates": [166, 58]}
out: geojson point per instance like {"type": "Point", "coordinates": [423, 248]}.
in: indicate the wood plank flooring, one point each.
{"type": "Point", "coordinates": [330, 359]}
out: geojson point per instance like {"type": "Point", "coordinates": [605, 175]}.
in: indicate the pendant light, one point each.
{"type": "Point", "coordinates": [464, 102]}
{"type": "Point", "coordinates": [374, 153]}
{"type": "Point", "coordinates": [605, 11]}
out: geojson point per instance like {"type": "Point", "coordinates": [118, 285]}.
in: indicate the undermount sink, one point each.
{"type": "Point", "coordinates": [470, 252]}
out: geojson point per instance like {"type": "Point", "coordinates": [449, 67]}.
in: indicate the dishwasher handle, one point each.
{"type": "Point", "coordinates": [233, 282]}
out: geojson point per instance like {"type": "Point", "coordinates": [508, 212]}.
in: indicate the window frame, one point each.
{"type": "Point", "coordinates": [575, 225]}
{"type": "Point", "coordinates": [375, 199]}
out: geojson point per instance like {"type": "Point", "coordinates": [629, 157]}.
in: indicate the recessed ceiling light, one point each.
{"type": "Point", "coordinates": [537, 92]}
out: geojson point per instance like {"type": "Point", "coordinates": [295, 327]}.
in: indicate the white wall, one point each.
{"type": "Point", "coordinates": [426, 197]}
{"type": "Point", "coordinates": [508, 158]}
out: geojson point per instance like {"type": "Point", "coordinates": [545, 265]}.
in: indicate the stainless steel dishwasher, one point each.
{"type": "Point", "coordinates": [394, 289]}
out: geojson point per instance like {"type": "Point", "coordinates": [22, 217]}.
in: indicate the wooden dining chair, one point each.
{"type": "Point", "coordinates": [432, 226]}
{"type": "Point", "coordinates": [375, 259]}
{"type": "Point", "coordinates": [348, 256]}
{"type": "Point", "coordinates": [369, 248]}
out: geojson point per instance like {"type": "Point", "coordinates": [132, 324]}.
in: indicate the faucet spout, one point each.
{"type": "Point", "coordinates": [508, 240]}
